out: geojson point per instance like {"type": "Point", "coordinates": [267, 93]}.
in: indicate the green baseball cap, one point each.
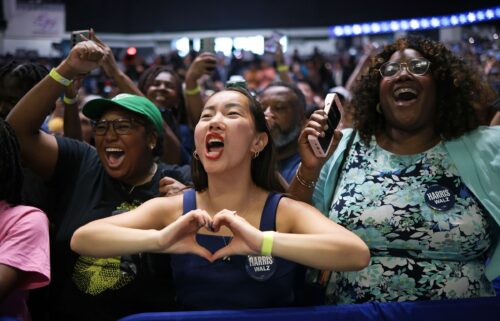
{"type": "Point", "coordinates": [138, 104]}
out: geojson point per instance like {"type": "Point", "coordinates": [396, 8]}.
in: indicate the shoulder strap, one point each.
{"type": "Point", "coordinates": [268, 219]}
{"type": "Point", "coordinates": [189, 201]}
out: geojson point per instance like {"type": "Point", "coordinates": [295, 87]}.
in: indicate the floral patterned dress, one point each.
{"type": "Point", "coordinates": [418, 253]}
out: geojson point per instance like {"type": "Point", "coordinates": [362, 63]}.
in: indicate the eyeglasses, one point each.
{"type": "Point", "coordinates": [417, 67]}
{"type": "Point", "coordinates": [120, 126]}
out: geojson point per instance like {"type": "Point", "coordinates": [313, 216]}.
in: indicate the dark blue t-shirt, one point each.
{"type": "Point", "coordinates": [201, 285]}
{"type": "Point", "coordinates": [288, 167]}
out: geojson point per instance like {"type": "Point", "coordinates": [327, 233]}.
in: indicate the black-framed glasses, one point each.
{"type": "Point", "coordinates": [417, 67]}
{"type": "Point", "coordinates": [121, 126]}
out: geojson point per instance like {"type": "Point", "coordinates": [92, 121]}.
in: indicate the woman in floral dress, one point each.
{"type": "Point", "coordinates": [417, 179]}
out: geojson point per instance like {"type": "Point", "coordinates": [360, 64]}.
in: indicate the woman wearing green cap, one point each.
{"type": "Point", "coordinates": [91, 183]}
{"type": "Point", "coordinates": [234, 239]}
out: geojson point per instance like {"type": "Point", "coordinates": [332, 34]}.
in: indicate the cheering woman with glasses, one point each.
{"type": "Point", "coordinates": [417, 179]}
{"type": "Point", "coordinates": [117, 175]}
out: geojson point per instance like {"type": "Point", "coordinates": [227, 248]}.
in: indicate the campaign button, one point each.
{"type": "Point", "coordinates": [439, 198]}
{"type": "Point", "coordinates": [260, 267]}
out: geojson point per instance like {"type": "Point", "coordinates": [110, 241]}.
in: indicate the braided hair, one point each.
{"type": "Point", "coordinates": [10, 165]}
{"type": "Point", "coordinates": [30, 73]}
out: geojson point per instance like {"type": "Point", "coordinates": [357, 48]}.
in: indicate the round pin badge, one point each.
{"type": "Point", "coordinates": [260, 267]}
{"type": "Point", "coordinates": [439, 198]}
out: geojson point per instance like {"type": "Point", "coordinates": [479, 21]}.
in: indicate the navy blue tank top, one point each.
{"type": "Point", "coordinates": [201, 285]}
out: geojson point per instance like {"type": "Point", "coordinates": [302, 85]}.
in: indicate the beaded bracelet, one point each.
{"type": "Point", "coordinates": [60, 79]}
{"type": "Point", "coordinates": [303, 181]}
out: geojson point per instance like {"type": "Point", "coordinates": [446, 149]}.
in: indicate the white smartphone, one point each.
{"type": "Point", "coordinates": [321, 145]}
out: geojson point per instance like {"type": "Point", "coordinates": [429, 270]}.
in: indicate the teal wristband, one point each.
{"type": "Point", "coordinates": [267, 243]}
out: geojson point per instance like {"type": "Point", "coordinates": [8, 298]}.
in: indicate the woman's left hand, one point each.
{"type": "Point", "coordinates": [247, 240]}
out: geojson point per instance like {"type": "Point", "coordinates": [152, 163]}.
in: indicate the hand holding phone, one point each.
{"type": "Point", "coordinates": [321, 145]}
{"type": "Point", "coordinates": [76, 36]}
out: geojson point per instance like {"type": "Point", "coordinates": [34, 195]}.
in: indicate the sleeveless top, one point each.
{"type": "Point", "coordinates": [418, 252]}
{"type": "Point", "coordinates": [226, 284]}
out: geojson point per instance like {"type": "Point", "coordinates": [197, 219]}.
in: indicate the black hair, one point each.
{"type": "Point", "coordinates": [147, 78]}
{"type": "Point", "coordinates": [151, 128]}
{"type": "Point", "coordinates": [461, 96]}
{"type": "Point", "coordinates": [264, 167]}
{"type": "Point", "coordinates": [296, 90]}
{"type": "Point", "coordinates": [28, 73]}
{"type": "Point", "coordinates": [10, 165]}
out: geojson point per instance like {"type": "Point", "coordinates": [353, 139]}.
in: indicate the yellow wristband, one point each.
{"type": "Point", "coordinates": [192, 92]}
{"type": "Point", "coordinates": [282, 68]}
{"type": "Point", "coordinates": [70, 101]}
{"type": "Point", "coordinates": [267, 243]}
{"type": "Point", "coordinates": [60, 79]}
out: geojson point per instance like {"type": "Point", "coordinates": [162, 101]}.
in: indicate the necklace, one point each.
{"type": "Point", "coordinates": [151, 173]}
{"type": "Point", "coordinates": [227, 259]}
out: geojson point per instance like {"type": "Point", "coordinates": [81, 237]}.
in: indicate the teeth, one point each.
{"type": "Point", "coordinates": [214, 140]}
{"type": "Point", "coordinates": [111, 150]}
{"type": "Point", "coordinates": [405, 90]}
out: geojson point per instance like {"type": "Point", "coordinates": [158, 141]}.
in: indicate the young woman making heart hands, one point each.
{"type": "Point", "coordinates": [234, 230]}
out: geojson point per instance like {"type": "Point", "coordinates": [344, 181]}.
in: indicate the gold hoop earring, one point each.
{"type": "Point", "coordinates": [378, 108]}
{"type": "Point", "coordinates": [195, 155]}
{"type": "Point", "coordinates": [256, 154]}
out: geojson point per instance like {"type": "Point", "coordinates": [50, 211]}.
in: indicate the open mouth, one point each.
{"type": "Point", "coordinates": [405, 94]}
{"type": "Point", "coordinates": [214, 146]}
{"type": "Point", "coordinates": [114, 156]}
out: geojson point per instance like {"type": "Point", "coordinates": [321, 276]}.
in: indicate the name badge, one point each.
{"type": "Point", "coordinates": [260, 267]}
{"type": "Point", "coordinates": [439, 198]}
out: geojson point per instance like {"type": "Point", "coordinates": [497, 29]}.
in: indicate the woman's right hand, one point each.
{"type": "Point", "coordinates": [315, 126]}
{"type": "Point", "coordinates": [179, 237]}
{"type": "Point", "coordinates": [83, 58]}
{"type": "Point", "coordinates": [204, 64]}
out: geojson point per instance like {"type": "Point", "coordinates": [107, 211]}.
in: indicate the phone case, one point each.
{"type": "Point", "coordinates": [331, 101]}
{"type": "Point", "coordinates": [207, 45]}
{"type": "Point", "coordinates": [76, 36]}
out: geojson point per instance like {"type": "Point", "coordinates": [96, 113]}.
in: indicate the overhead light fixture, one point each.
{"type": "Point", "coordinates": [458, 19]}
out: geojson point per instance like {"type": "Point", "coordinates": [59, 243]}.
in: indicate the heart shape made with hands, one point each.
{"type": "Point", "coordinates": [180, 236]}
